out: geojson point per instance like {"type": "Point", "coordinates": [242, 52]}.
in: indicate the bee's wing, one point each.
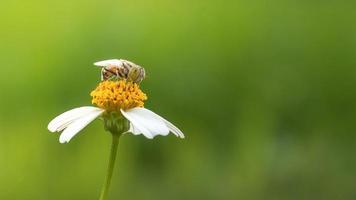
{"type": "Point", "coordinates": [129, 62]}
{"type": "Point", "coordinates": [106, 63]}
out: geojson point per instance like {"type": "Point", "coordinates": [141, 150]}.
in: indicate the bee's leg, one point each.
{"type": "Point", "coordinates": [112, 78]}
{"type": "Point", "coordinates": [102, 74]}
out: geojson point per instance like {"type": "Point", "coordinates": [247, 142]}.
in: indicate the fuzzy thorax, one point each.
{"type": "Point", "coordinates": [116, 95]}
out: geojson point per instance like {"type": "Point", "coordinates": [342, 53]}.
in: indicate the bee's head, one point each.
{"type": "Point", "coordinates": [136, 74]}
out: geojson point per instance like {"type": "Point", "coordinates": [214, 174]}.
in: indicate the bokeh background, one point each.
{"type": "Point", "coordinates": [264, 91]}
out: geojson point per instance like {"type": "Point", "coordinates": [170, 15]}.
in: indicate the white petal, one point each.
{"type": "Point", "coordinates": [136, 127]}
{"type": "Point", "coordinates": [78, 125]}
{"type": "Point", "coordinates": [134, 130]}
{"type": "Point", "coordinates": [146, 123]}
{"type": "Point", "coordinates": [106, 63]}
{"type": "Point", "coordinates": [171, 127]}
{"type": "Point", "coordinates": [62, 121]}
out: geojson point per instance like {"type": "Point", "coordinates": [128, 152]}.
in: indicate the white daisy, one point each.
{"type": "Point", "coordinates": [123, 98]}
{"type": "Point", "coordinates": [119, 102]}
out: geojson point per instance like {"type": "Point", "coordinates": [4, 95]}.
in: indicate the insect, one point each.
{"type": "Point", "coordinates": [121, 69]}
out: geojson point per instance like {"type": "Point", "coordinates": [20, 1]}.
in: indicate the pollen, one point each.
{"type": "Point", "coordinates": [116, 95]}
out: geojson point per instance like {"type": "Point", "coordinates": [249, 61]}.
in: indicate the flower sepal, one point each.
{"type": "Point", "coordinates": [115, 123]}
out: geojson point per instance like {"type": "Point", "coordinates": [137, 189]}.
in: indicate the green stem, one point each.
{"type": "Point", "coordinates": [113, 152]}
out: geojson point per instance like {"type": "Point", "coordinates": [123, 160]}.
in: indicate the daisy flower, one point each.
{"type": "Point", "coordinates": [119, 101]}
{"type": "Point", "coordinates": [120, 104]}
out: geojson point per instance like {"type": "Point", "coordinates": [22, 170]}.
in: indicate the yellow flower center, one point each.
{"type": "Point", "coordinates": [116, 95]}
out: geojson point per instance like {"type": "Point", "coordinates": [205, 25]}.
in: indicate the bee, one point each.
{"type": "Point", "coordinates": [121, 70]}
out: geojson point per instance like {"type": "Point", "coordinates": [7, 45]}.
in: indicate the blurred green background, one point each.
{"type": "Point", "coordinates": [264, 91]}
